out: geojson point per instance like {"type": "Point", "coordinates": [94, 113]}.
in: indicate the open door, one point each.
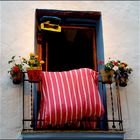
{"type": "Point", "coordinates": [78, 45]}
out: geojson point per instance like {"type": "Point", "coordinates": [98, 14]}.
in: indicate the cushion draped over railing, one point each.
{"type": "Point", "coordinates": [69, 96]}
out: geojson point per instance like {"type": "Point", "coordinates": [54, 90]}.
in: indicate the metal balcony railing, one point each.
{"type": "Point", "coordinates": [110, 95]}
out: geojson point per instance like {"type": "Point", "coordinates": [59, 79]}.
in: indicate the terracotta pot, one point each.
{"type": "Point", "coordinates": [107, 76]}
{"type": "Point", "coordinates": [18, 78]}
{"type": "Point", "coordinates": [34, 75]}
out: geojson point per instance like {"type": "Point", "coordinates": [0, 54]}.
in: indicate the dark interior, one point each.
{"type": "Point", "coordinates": [71, 48]}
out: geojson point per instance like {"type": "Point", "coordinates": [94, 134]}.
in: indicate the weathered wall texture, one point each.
{"type": "Point", "coordinates": [121, 41]}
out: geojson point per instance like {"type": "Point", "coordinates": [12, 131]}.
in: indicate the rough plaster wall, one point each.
{"type": "Point", "coordinates": [121, 41]}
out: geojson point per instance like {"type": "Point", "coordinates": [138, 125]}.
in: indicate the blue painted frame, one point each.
{"type": "Point", "coordinates": [100, 57]}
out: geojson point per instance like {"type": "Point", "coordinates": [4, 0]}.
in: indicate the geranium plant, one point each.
{"type": "Point", "coordinates": [16, 69]}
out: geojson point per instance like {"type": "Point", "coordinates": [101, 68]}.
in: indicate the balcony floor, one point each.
{"type": "Point", "coordinates": [74, 134]}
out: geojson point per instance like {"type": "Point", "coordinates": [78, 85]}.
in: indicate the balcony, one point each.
{"type": "Point", "coordinates": [108, 127]}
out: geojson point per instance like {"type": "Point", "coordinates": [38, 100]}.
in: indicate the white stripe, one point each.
{"type": "Point", "coordinates": [79, 93]}
{"type": "Point", "coordinates": [74, 94]}
{"type": "Point", "coordinates": [69, 95]}
{"type": "Point", "coordinates": [59, 99]}
{"type": "Point", "coordinates": [53, 99]}
{"type": "Point", "coordinates": [48, 93]}
{"type": "Point", "coordinates": [88, 93]}
{"type": "Point", "coordinates": [64, 97]}
{"type": "Point", "coordinates": [84, 90]}
{"type": "Point", "coordinates": [94, 97]}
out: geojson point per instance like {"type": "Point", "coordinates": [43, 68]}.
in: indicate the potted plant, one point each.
{"type": "Point", "coordinates": [122, 73]}
{"type": "Point", "coordinates": [107, 72]}
{"type": "Point", "coordinates": [117, 69]}
{"type": "Point", "coordinates": [16, 70]}
{"type": "Point", "coordinates": [34, 67]}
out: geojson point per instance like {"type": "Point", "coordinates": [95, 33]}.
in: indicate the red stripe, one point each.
{"type": "Point", "coordinates": [44, 88]}
{"type": "Point", "coordinates": [81, 94]}
{"type": "Point", "coordinates": [70, 92]}
{"type": "Point", "coordinates": [57, 98]}
{"type": "Point", "coordinates": [75, 104]}
{"type": "Point", "coordinates": [65, 108]}
{"type": "Point", "coordinates": [45, 84]}
{"type": "Point", "coordinates": [84, 91]}
{"type": "Point", "coordinates": [67, 97]}
{"type": "Point", "coordinates": [51, 98]}
{"type": "Point", "coordinates": [76, 84]}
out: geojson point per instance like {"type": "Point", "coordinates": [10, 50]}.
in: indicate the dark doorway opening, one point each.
{"type": "Point", "coordinates": [74, 47]}
{"type": "Point", "coordinates": [71, 48]}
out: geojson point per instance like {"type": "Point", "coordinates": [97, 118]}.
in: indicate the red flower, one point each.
{"type": "Point", "coordinates": [15, 78]}
{"type": "Point", "coordinates": [15, 69]}
{"type": "Point", "coordinates": [115, 63]}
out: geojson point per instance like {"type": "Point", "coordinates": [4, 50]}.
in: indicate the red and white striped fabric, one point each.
{"type": "Point", "coordinates": [69, 96]}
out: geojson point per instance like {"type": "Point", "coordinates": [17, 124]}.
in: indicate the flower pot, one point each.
{"type": "Point", "coordinates": [121, 78]}
{"type": "Point", "coordinates": [123, 82]}
{"type": "Point", "coordinates": [107, 76]}
{"type": "Point", "coordinates": [17, 79]}
{"type": "Point", "coordinates": [34, 74]}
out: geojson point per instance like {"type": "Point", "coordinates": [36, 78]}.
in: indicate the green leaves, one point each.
{"type": "Point", "coordinates": [12, 59]}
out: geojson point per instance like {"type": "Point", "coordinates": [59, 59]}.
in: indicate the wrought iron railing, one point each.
{"type": "Point", "coordinates": [110, 95]}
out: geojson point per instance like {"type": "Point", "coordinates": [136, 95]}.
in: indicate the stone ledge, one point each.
{"type": "Point", "coordinates": [70, 131]}
{"type": "Point", "coordinates": [73, 134]}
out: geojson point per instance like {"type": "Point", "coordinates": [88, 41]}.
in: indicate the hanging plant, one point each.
{"type": "Point", "coordinates": [15, 70]}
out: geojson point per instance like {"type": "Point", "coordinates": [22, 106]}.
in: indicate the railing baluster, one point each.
{"type": "Point", "coordinates": [113, 126]}
{"type": "Point", "coordinates": [23, 99]}
{"type": "Point", "coordinates": [31, 105]}
{"type": "Point", "coordinates": [105, 117]}
{"type": "Point", "coordinates": [35, 106]}
{"type": "Point", "coordinates": [119, 106]}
